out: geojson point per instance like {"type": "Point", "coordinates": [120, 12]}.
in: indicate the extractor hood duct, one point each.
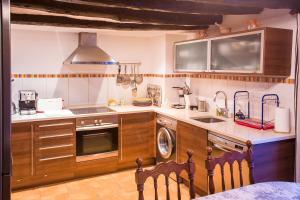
{"type": "Point", "coordinates": [88, 53]}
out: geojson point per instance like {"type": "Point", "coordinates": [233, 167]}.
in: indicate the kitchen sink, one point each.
{"type": "Point", "coordinates": [207, 119]}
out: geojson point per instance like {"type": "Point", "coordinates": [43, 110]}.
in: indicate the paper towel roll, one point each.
{"type": "Point", "coordinates": [282, 120]}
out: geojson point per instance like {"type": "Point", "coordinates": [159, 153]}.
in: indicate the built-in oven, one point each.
{"type": "Point", "coordinates": [96, 138]}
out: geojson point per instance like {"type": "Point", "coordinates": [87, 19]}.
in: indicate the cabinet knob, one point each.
{"type": "Point", "coordinates": [82, 122]}
{"type": "Point", "coordinates": [45, 175]}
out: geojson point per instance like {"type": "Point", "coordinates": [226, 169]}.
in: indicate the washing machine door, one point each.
{"type": "Point", "coordinates": [165, 143]}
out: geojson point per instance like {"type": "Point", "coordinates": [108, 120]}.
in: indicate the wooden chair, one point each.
{"type": "Point", "coordinates": [230, 158]}
{"type": "Point", "coordinates": [166, 169]}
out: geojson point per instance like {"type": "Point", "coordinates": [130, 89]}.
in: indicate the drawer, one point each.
{"type": "Point", "coordinates": [50, 165]}
{"type": "Point", "coordinates": [55, 125]}
{"type": "Point", "coordinates": [57, 140]}
{"type": "Point", "coordinates": [46, 134]}
{"type": "Point", "coordinates": [46, 153]}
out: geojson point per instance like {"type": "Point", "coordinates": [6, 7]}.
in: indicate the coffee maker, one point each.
{"type": "Point", "coordinates": [27, 102]}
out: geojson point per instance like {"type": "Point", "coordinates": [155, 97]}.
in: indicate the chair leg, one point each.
{"type": "Point", "coordinates": [141, 191]}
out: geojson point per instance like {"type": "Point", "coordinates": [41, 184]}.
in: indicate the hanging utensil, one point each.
{"type": "Point", "coordinates": [139, 77]}
{"type": "Point", "coordinates": [126, 77]}
{"type": "Point", "coordinates": [132, 82]}
{"type": "Point", "coordinates": [134, 90]}
{"type": "Point", "coordinates": [119, 76]}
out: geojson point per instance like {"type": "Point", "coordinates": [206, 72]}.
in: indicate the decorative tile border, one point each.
{"type": "Point", "coordinates": [238, 77]}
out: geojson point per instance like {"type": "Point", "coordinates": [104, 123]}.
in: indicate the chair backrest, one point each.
{"type": "Point", "coordinates": [166, 169]}
{"type": "Point", "coordinates": [230, 158]}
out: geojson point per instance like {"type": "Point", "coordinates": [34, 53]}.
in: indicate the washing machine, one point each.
{"type": "Point", "coordinates": [165, 139]}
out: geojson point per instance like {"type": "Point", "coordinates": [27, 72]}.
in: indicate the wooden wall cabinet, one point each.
{"type": "Point", "coordinates": [263, 51]}
{"type": "Point", "coordinates": [194, 138]}
{"type": "Point", "coordinates": [136, 137]}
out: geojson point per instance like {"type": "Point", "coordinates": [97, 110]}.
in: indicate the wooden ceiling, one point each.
{"type": "Point", "coordinates": [137, 14]}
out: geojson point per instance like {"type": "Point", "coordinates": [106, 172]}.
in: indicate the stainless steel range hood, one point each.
{"type": "Point", "coordinates": [88, 53]}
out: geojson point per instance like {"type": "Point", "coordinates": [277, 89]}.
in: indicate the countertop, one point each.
{"type": "Point", "coordinates": [226, 129]}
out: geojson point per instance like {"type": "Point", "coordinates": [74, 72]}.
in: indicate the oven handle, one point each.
{"type": "Point", "coordinates": [95, 134]}
{"type": "Point", "coordinates": [101, 127]}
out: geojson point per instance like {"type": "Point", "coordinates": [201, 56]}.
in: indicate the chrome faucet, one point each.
{"type": "Point", "coordinates": [222, 111]}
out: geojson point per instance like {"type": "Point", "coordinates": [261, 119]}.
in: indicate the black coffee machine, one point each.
{"type": "Point", "coordinates": [27, 102]}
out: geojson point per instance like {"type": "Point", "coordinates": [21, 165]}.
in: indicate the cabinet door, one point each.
{"type": "Point", "coordinates": [191, 56]}
{"type": "Point", "coordinates": [241, 53]}
{"type": "Point", "coordinates": [137, 136]}
{"type": "Point", "coordinates": [195, 139]}
{"type": "Point", "coordinates": [22, 153]}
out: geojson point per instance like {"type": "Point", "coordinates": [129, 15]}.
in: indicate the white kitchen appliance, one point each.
{"type": "Point", "coordinates": [52, 104]}
{"type": "Point", "coordinates": [166, 139]}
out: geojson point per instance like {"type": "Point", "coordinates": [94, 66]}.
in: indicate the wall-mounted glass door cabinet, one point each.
{"type": "Point", "coordinates": [263, 51]}
{"type": "Point", "coordinates": [191, 56]}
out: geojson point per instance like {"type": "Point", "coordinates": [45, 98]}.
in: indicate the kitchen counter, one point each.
{"type": "Point", "coordinates": [227, 128]}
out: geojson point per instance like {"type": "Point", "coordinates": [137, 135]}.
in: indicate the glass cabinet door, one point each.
{"type": "Point", "coordinates": [191, 56]}
{"type": "Point", "coordinates": [237, 53]}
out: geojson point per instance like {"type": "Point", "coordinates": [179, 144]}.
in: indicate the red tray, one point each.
{"type": "Point", "coordinates": [255, 123]}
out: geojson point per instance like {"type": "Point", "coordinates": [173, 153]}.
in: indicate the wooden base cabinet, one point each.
{"type": "Point", "coordinates": [274, 161]}
{"type": "Point", "coordinates": [55, 148]}
{"type": "Point", "coordinates": [43, 152]}
{"type": "Point", "coordinates": [22, 154]}
{"type": "Point", "coordinates": [193, 138]}
{"type": "Point", "coordinates": [136, 137]}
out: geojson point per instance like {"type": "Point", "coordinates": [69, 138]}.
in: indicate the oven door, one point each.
{"type": "Point", "coordinates": [96, 142]}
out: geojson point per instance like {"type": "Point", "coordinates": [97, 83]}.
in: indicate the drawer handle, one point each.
{"type": "Point", "coordinates": [55, 136]}
{"type": "Point", "coordinates": [58, 124]}
{"type": "Point", "coordinates": [56, 158]}
{"type": "Point", "coordinates": [56, 147]}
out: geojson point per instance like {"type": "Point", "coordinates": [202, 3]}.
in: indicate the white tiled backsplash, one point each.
{"type": "Point", "coordinates": [91, 91]}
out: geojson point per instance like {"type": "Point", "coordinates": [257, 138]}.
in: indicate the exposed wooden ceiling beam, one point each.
{"type": "Point", "coordinates": [118, 14]}
{"type": "Point", "coordinates": [60, 21]}
{"type": "Point", "coordinates": [174, 6]}
{"type": "Point", "coordinates": [275, 4]}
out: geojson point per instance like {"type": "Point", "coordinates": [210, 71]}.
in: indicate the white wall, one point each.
{"type": "Point", "coordinates": [43, 52]}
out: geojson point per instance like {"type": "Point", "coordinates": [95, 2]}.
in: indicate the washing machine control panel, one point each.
{"type": "Point", "coordinates": [167, 122]}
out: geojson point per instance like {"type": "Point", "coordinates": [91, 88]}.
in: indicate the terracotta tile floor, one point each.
{"type": "Point", "coordinates": [116, 186]}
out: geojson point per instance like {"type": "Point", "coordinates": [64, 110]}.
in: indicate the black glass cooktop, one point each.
{"type": "Point", "coordinates": [90, 110]}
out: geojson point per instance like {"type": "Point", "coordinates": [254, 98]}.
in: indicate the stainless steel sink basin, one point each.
{"type": "Point", "coordinates": [208, 119]}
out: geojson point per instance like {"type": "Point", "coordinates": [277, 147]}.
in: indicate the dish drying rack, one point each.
{"type": "Point", "coordinates": [251, 122]}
